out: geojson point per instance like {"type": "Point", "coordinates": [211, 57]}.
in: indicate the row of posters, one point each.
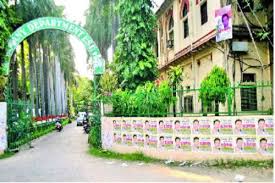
{"type": "Point", "coordinates": [204, 134]}
{"type": "Point", "coordinates": [187, 126]}
{"type": "Point", "coordinates": [214, 144]}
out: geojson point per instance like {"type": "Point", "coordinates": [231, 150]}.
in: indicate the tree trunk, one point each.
{"type": "Point", "coordinates": [174, 102]}
{"type": "Point", "coordinates": [14, 78]}
{"type": "Point", "coordinates": [45, 76]}
{"type": "Point", "coordinates": [31, 70]}
{"type": "Point", "coordinates": [36, 69]}
{"type": "Point", "coordinates": [23, 70]}
{"type": "Point", "coordinates": [42, 82]}
{"type": "Point", "coordinates": [216, 108]}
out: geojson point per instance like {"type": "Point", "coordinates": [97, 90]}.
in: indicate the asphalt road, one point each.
{"type": "Point", "coordinates": [64, 157]}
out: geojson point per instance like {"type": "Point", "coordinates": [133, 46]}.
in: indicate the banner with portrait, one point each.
{"type": "Point", "coordinates": [223, 17]}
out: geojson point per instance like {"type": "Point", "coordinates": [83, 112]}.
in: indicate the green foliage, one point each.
{"type": "Point", "coordinates": [265, 6]}
{"type": "Point", "coordinates": [218, 163]}
{"type": "Point", "coordinates": [95, 136]}
{"type": "Point", "coordinates": [83, 92]}
{"type": "Point", "coordinates": [108, 83]}
{"type": "Point", "coordinates": [6, 154]}
{"type": "Point", "coordinates": [214, 86]}
{"type": "Point", "coordinates": [145, 100]}
{"type": "Point", "coordinates": [138, 156]}
{"type": "Point", "coordinates": [175, 75]}
{"type": "Point", "coordinates": [135, 61]}
{"type": "Point", "coordinates": [99, 18]}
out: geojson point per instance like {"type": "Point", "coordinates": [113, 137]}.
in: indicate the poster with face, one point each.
{"type": "Point", "coordinates": [150, 126]}
{"type": "Point", "coordinates": [246, 126]}
{"type": "Point", "coordinates": [127, 139]}
{"type": "Point", "coordinates": [126, 125]}
{"type": "Point", "coordinates": [182, 127]}
{"type": "Point", "coordinates": [265, 145]}
{"type": "Point", "coordinates": [222, 126]}
{"type": "Point", "coordinates": [223, 17]}
{"type": "Point", "coordinates": [182, 143]}
{"type": "Point", "coordinates": [165, 126]}
{"type": "Point", "coordinates": [265, 126]}
{"type": "Point", "coordinates": [117, 124]}
{"type": "Point", "coordinates": [150, 141]}
{"type": "Point", "coordinates": [222, 145]}
{"type": "Point", "coordinates": [138, 125]}
{"type": "Point", "coordinates": [138, 140]}
{"type": "Point", "coordinates": [165, 142]}
{"type": "Point", "coordinates": [245, 145]}
{"type": "Point", "coordinates": [201, 126]}
{"type": "Point", "coordinates": [117, 138]}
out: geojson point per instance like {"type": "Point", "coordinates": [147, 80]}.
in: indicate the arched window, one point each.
{"type": "Point", "coordinates": [184, 10]}
{"type": "Point", "coordinates": [185, 20]}
{"type": "Point", "coordinates": [171, 23]}
{"type": "Point", "coordinates": [171, 32]}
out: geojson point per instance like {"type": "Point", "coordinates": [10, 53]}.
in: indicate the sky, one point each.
{"type": "Point", "coordinates": [75, 11]}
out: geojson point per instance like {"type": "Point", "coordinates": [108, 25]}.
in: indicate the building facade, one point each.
{"type": "Point", "coordinates": [186, 38]}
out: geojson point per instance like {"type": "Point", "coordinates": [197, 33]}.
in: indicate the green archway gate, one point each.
{"type": "Point", "coordinates": [54, 23]}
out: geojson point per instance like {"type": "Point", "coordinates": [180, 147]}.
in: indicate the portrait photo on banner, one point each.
{"type": "Point", "coordinates": [223, 17]}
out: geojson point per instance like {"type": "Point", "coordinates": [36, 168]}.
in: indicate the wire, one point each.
{"type": "Point", "coordinates": [258, 21]}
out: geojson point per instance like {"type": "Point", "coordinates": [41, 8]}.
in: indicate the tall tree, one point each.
{"type": "Point", "coordinates": [134, 57]}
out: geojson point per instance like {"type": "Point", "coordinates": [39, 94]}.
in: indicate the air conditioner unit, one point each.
{"type": "Point", "coordinates": [170, 43]}
{"type": "Point", "coordinates": [239, 46]}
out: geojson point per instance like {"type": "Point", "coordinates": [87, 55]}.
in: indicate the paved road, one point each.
{"type": "Point", "coordinates": [63, 157]}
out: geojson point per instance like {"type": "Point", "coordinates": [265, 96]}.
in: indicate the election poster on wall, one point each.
{"type": "Point", "coordinates": [245, 144]}
{"type": "Point", "coordinates": [150, 141]}
{"type": "Point", "coordinates": [222, 126]}
{"type": "Point", "coordinates": [126, 125]}
{"type": "Point", "coordinates": [246, 126]}
{"type": "Point", "coordinates": [223, 18]}
{"type": "Point", "coordinates": [150, 126]}
{"type": "Point", "coordinates": [117, 125]}
{"type": "Point", "coordinates": [137, 125]}
{"type": "Point", "coordinates": [216, 135]}
{"type": "Point", "coordinates": [182, 126]}
{"type": "Point", "coordinates": [165, 142]}
{"type": "Point", "coordinates": [265, 145]}
{"type": "Point", "coordinates": [117, 137]}
{"type": "Point", "coordinates": [222, 144]}
{"type": "Point", "coordinates": [265, 126]}
{"type": "Point", "coordinates": [182, 143]}
{"type": "Point", "coordinates": [138, 140]}
{"type": "Point", "coordinates": [201, 126]}
{"type": "Point", "coordinates": [165, 126]}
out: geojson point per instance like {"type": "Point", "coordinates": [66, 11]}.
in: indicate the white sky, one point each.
{"type": "Point", "coordinates": [75, 11]}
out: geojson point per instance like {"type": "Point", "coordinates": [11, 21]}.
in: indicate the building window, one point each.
{"type": "Point", "coordinates": [171, 33]}
{"type": "Point", "coordinates": [188, 104]}
{"type": "Point", "coordinates": [185, 28]}
{"type": "Point", "coordinates": [204, 16]}
{"type": "Point", "coordinates": [246, 5]}
{"type": "Point", "coordinates": [185, 21]}
{"type": "Point", "coordinates": [249, 95]}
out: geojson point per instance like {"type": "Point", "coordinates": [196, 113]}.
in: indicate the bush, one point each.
{"type": "Point", "coordinates": [95, 136]}
{"type": "Point", "coordinates": [147, 100]}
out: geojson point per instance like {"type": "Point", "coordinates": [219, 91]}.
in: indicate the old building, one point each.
{"type": "Point", "coordinates": [186, 37]}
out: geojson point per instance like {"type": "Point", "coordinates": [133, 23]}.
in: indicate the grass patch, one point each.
{"type": "Point", "coordinates": [138, 156]}
{"type": "Point", "coordinates": [219, 163]}
{"type": "Point", "coordinates": [6, 155]}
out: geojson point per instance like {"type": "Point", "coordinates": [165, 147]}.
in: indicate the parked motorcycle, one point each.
{"type": "Point", "coordinates": [58, 125]}
{"type": "Point", "coordinates": [87, 128]}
